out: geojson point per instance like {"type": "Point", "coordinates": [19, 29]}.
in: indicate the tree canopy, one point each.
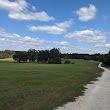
{"type": "Point", "coordinates": [41, 56]}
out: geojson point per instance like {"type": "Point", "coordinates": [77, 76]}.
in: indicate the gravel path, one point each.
{"type": "Point", "coordinates": [97, 96]}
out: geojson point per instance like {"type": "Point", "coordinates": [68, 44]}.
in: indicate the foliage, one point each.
{"type": "Point", "coordinates": [20, 56]}
{"type": "Point", "coordinates": [96, 57]}
{"type": "Point", "coordinates": [106, 59]}
{"type": "Point", "coordinates": [32, 55]}
{"type": "Point", "coordinates": [6, 54]}
{"type": "Point", "coordinates": [67, 62]}
{"type": "Point", "coordinates": [41, 56]}
{"type": "Point", "coordinates": [54, 57]}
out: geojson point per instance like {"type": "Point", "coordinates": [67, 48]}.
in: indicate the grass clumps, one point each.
{"type": "Point", "coordinates": [28, 86]}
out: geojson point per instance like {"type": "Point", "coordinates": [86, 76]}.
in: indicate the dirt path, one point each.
{"type": "Point", "coordinates": [97, 96]}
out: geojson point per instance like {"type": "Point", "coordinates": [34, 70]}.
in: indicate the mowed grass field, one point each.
{"type": "Point", "coordinates": [28, 86]}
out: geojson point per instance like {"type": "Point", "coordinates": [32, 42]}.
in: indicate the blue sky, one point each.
{"type": "Point", "coordinates": [74, 26]}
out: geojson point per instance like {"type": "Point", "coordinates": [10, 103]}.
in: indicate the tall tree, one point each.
{"type": "Point", "coordinates": [32, 55]}
{"type": "Point", "coordinates": [55, 56]}
{"type": "Point", "coordinates": [106, 59]}
{"type": "Point", "coordinates": [43, 56]}
{"type": "Point", "coordinates": [20, 56]}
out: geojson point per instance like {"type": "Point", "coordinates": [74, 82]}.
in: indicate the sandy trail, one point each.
{"type": "Point", "coordinates": [97, 96]}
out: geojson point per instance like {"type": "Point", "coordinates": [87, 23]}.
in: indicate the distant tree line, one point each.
{"type": "Point", "coordinates": [52, 56]}
{"type": "Point", "coordinates": [6, 54]}
{"type": "Point", "coordinates": [104, 58]}
{"type": "Point", "coordinates": [96, 57]}
{"type": "Point", "coordinates": [41, 56]}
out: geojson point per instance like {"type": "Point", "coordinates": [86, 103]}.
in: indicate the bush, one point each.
{"type": "Point", "coordinates": [67, 62]}
{"type": "Point", "coordinates": [72, 63]}
{"type": "Point", "coordinates": [55, 61]}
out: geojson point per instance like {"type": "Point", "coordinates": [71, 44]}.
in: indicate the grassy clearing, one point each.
{"type": "Point", "coordinates": [43, 86]}
{"type": "Point", "coordinates": [7, 60]}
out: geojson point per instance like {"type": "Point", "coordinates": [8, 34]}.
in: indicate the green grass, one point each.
{"type": "Point", "coordinates": [7, 60]}
{"type": "Point", "coordinates": [43, 86]}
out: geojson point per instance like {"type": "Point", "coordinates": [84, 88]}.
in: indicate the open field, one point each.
{"type": "Point", "coordinates": [43, 86]}
{"type": "Point", "coordinates": [7, 60]}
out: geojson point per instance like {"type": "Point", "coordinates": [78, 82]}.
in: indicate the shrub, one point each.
{"type": "Point", "coordinates": [72, 63]}
{"type": "Point", "coordinates": [67, 62]}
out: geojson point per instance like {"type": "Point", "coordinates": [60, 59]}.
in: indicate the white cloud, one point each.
{"type": "Point", "coordinates": [90, 36]}
{"type": "Point", "coordinates": [63, 43]}
{"type": "Point", "coordinates": [58, 28]}
{"type": "Point", "coordinates": [40, 16]}
{"type": "Point", "coordinates": [18, 10]}
{"type": "Point", "coordinates": [103, 45]}
{"type": "Point", "coordinates": [18, 5]}
{"type": "Point", "coordinates": [78, 49]}
{"type": "Point", "coordinates": [86, 13]}
{"type": "Point", "coordinates": [15, 41]}
{"type": "Point", "coordinates": [33, 8]}
{"type": "Point", "coordinates": [107, 45]}
{"type": "Point", "coordinates": [6, 35]}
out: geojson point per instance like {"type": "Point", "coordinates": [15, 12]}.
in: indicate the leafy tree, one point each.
{"type": "Point", "coordinates": [106, 59]}
{"type": "Point", "coordinates": [43, 56]}
{"type": "Point", "coordinates": [6, 54]}
{"type": "Point", "coordinates": [32, 55]}
{"type": "Point", "coordinates": [54, 57]}
{"type": "Point", "coordinates": [20, 56]}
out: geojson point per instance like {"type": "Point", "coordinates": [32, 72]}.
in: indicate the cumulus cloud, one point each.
{"type": "Point", "coordinates": [90, 36]}
{"type": "Point", "coordinates": [86, 13]}
{"type": "Point", "coordinates": [7, 35]}
{"type": "Point", "coordinates": [78, 49]}
{"type": "Point", "coordinates": [107, 45]}
{"type": "Point", "coordinates": [58, 28]}
{"type": "Point", "coordinates": [103, 45]}
{"type": "Point", "coordinates": [18, 10]}
{"type": "Point", "coordinates": [15, 41]}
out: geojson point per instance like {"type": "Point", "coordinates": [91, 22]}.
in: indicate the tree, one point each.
{"type": "Point", "coordinates": [43, 56]}
{"type": "Point", "coordinates": [6, 54]}
{"type": "Point", "coordinates": [106, 59]}
{"type": "Point", "coordinates": [32, 55]}
{"type": "Point", "coordinates": [54, 57]}
{"type": "Point", "coordinates": [20, 56]}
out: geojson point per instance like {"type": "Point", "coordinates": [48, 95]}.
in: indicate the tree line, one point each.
{"type": "Point", "coordinates": [41, 56]}
{"type": "Point", "coordinates": [6, 54]}
{"type": "Point", "coordinates": [52, 56]}
{"type": "Point", "coordinates": [104, 58]}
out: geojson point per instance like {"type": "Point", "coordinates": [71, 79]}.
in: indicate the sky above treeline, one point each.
{"type": "Point", "coordinates": [74, 26]}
